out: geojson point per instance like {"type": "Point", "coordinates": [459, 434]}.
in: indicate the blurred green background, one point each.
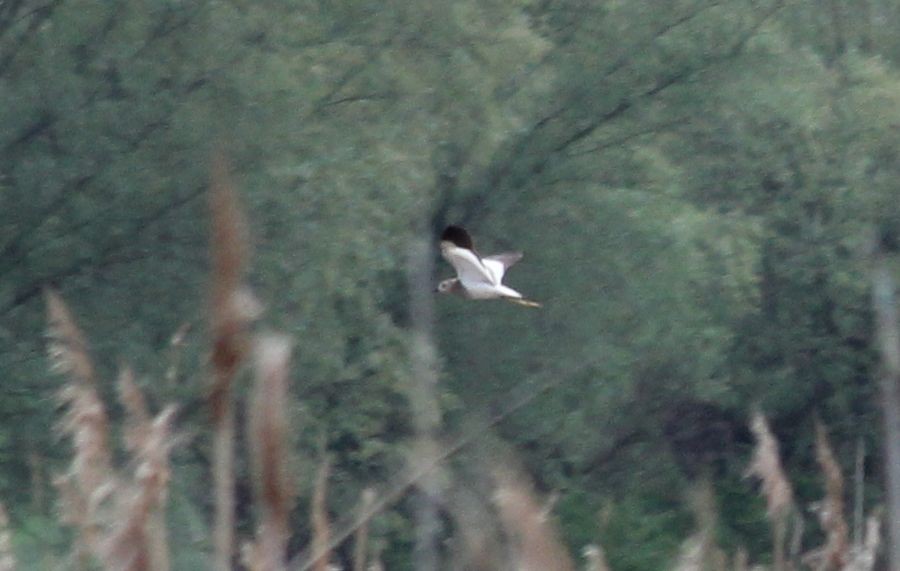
{"type": "Point", "coordinates": [693, 184]}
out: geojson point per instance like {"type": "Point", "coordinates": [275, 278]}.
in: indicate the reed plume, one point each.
{"type": "Point", "coordinates": [831, 510]}
{"type": "Point", "coordinates": [134, 540]}
{"type": "Point", "coordinates": [89, 481]}
{"type": "Point", "coordinates": [66, 347]}
{"type": "Point", "coordinates": [594, 558]}
{"type": "Point", "coordinates": [766, 465]}
{"type": "Point", "coordinates": [536, 544]}
{"type": "Point", "coordinates": [119, 522]}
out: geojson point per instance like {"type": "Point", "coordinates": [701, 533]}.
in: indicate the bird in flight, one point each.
{"type": "Point", "coordinates": [477, 277]}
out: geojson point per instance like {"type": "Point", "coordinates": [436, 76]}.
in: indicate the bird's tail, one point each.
{"type": "Point", "coordinates": [522, 301]}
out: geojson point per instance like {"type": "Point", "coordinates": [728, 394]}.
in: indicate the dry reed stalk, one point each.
{"type": "Point", "coordinates": [176, 344]}
{"type": "Point", "coordinates": [7, 557]}
{"type": "Point", "coordinates": [85, 420]}
{"type": "Point", "coordinates": [831, 511]}
{"type": "Point", "coordinates": [66, 347]}
{"type": "Point", "coordinates": [478, 539]}
{"type": "Point", "coordinates": [595, 559]}
{"type": "Point", "coordinates": [132, 537]}
{"type": "Point", "coordinates": [73, 512]}
{"type": "Point", "coordinates": [89, 480]}
{"type": "Point", "coordinates": [376, 564]}
{"type": "Point", "coordinates": [319, 515]}
{"type": "Point", "coordinates": [228, 252]}
{"type": "Point", "coordinates": [537, 546]}
{"type": "Point", "coordinates": [137, 417]}
{"type": "Point", "coordinates": [873, 534]}
{"type": "Point", "coordinates": [692, 553]}
{"type": "Point", "coordinates": [866, 557]}
{"type": "Point", "coordinates": [157, 532]}
{"type": "Point", "coordinates": [766, 465]}
{"type": "Point", "coordinates": [699, 551]}
{"type": "Point", "coordinates": [268, 427]}
{"type": "Point", "coordinates": [698, 555]}
{"type": "Point", "coordinates": [859, 490]}
{"type": "Point", "coordinates": [361, 537]}
{"type": "Point", "coordinates": [702, 500]}
{"type": "Point", "coordinates": [741, 560]}
{"type": "Point", "coordinates": [229, 316]}
{"type": "Point", "coordinates": [132, 542]}
{"type": "Point", "coordinates": [138, 428]}
{"type": "Point", "coordinates": [863, 555]}
{"type": "Point", "coordinates": [251, 556]}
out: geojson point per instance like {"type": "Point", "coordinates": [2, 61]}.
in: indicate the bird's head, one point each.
{"type": "Point", "coordinates": [447, 286]}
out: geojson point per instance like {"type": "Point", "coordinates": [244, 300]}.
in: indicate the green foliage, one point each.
{"type": "Point", "coordinates": [744, 512]}
{"type": "Point", "coordinates": [693, 185]}
{"type": "Point", "coordinates": [39, 542]}
{"type": "Point", "coordinates": [643, 532]}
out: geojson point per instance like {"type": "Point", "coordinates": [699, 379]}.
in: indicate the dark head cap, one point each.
{"type": "Point", "coordinates": [458, 236]}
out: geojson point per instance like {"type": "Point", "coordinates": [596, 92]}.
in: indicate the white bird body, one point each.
{"type": "Point", "coordinates": [477, 277]}
{"type": "Point", "coordinates": [485, 291]}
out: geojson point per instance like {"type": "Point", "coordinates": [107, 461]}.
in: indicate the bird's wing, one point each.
{"type": "Point", "coordinates": [499, 263]}
{"type": "Point", "coordinates": [469, 267]}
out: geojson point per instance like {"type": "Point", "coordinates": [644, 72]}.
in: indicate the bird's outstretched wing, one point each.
{"type": "Point", "coordinates": [469, 268]}
{"type": "Point", "coordinates": [499, 263]}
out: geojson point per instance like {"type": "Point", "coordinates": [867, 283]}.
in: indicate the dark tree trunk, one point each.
{"type": "Point", "coordinates": [424, 400]}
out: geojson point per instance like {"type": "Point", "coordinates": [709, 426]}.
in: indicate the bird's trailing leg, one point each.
{"type": "Point", "coordinates": [522, 301]}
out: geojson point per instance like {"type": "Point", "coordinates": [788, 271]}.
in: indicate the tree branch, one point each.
{"type": "Point", "coordinates": [476, 205]}
{"type": "Point", "coordinates": [38, 17]}
{"type": "Point", "coordinates": [103, 260]}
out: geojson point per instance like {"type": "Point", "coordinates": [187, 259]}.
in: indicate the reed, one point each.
{"type": "Point", "coordinates": [536, 546]}
{"type": "Point", "coordinates": [119, 520]}
{"type": "Point", "coordinates": [319, 517]}
{"type": "Point", "coordinates": [831, 509]}
{"type": "Point", "coordinates": [766, 465]}
{"type": "Point", "coordinates": [89, 480]}
{"type": "Point", "coordinates": [267, 432]}
{"type": "Point", "coordinates": [230, 313]}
